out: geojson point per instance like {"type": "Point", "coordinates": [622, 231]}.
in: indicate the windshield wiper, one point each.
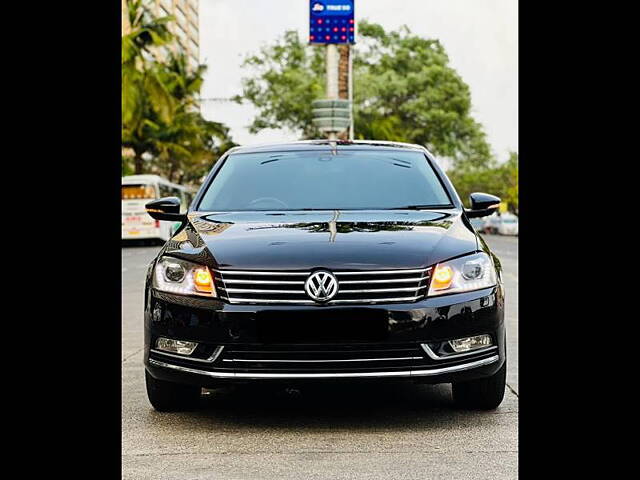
{"type": "Point", "coordinates": [419, 207]}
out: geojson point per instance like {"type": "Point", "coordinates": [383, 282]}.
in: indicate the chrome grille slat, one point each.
{"type": "Point", "coordinates": [258, 272]}
{"type": "Point", "coordinates": [266, 282]}
{"type": "Point", "coordinates": [355, 286]}
{"type": "Point", "coordinates": [382, 272]}
{"type": "Point", "coordinates": [251, 290]}
{"type": "Point", "coordinates": [324, 360]}
{"type": "Point", "coordinates": [384, 290]}
{"type": "Point", "coordinates": [392, 280]}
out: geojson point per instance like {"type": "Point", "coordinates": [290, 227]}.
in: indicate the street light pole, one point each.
{"type": "Point", "coordinates": [350, 82]}
{"type": "Point", "coordinates": [332, 60]}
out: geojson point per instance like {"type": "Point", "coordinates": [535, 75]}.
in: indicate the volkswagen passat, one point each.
{"type": "Point", "coordinates": [324, 261]}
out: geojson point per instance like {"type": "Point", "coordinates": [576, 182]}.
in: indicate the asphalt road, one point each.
{"type": "Point", "coordinates": [386, 432]}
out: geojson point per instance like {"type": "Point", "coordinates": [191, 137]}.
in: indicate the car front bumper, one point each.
{"type": "Point", "coordinates": [249, 343]}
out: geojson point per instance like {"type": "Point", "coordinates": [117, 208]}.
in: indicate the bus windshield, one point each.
{"type": "Point", "coordinates": [137, 192]}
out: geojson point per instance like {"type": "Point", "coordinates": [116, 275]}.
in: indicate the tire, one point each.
{"type": "Point", "coordinates": [482, 394]}
{"type": "Point", "coordinates": [171, 397]}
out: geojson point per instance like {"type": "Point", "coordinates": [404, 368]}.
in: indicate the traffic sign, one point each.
{"type": "Point", "coordinates": [332, 22]}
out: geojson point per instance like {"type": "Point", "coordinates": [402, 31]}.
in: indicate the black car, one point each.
{"type": "Point", "coordinates": [324, 261]}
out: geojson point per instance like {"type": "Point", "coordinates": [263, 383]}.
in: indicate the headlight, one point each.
{"type": "Point", "coordinates": [464, 274]}
{"type": "Point", "coordinates": [173, 275]}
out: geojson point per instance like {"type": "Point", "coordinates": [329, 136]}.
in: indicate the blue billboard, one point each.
{"type": "Point", "coordinates": [331, 21]}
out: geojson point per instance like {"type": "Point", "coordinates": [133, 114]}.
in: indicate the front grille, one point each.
{"type": "Point", "coordinates": [355, 286]}
{"type": "Point", "coordinates": [325, 358]}
{"type": "Point", "coordinates": [363, 358]}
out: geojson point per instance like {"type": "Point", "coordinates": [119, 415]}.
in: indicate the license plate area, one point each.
{"type": "Point", "coordinates": [322, 326]}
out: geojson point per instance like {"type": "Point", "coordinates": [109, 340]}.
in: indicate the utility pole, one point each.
{"type": "Point", "coordinates": [351, 127]}
{"type": "Point", "coordinates": [332, 62]}
{"type": "Point", "coordinates": [345, 85]}
{"type": "Point", "coordinates": [332, 24]}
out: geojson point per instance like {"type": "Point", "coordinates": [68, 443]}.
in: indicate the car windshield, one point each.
{"type": "Point", "coordinates": [325, 181]}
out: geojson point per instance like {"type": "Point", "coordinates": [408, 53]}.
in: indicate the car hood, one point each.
{"type": "Point", "coordinates": [335, 239]}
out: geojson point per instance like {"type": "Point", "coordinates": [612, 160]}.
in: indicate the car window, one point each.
{"type": "Point", "coordinates": [323, 180]}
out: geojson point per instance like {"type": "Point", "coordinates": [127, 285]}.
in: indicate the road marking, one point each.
{"type": "Point", "coordinates": [132, 354]}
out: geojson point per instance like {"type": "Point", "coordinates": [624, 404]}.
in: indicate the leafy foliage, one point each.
{"type": "Point", "coordinates": [404, 90]}
{"type": "Point", "coordinates": [290, 76]}
{"type": "Point", "coordinates": [161, 124]}
{"type": "Point", "coordinates": [500, 180]}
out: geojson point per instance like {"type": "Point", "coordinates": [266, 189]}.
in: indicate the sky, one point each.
{"type": "Point", "coordinates": [480, 37]}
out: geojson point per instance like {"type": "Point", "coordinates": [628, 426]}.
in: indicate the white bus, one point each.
{"type": "Point", "coordinates": [137, 191]}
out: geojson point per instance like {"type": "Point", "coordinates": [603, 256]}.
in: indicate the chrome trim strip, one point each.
{"type": "Point", "coordinates": [391, 280]}
{"type": "Point", "coordinates": [256, 290]}
{"type": "Point", "coordinates": [456, 368]}
{"type": "Point", "coordinates": [383, 290]}
{"type": "Point", "coordinates": [322, 361]}
{"type": "Point", "coordinates": [404, 373]}
{"type": "Point", "coordinates": [216, 353]}
{"type": "Point", "coordinates": [383, 272]}
{"type": "Point", "coordinates": [253, 272]}
{"type": "Point", "coordinates": [363, 272]}
{"type": "Point", "coordinates": [266, 282]}
{"type": "Point", "coordinates": [433, 355]}
{"type": "Point", "coordinates": [331, 302]}
{"type": "Point", "coordinates": [262, 300]}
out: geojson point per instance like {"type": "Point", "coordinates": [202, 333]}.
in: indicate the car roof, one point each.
{"type": "Point", "coordinates": [324, 144]}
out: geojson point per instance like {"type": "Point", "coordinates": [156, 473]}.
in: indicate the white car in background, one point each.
{"type": "Point", "coordinates": [504, 224]}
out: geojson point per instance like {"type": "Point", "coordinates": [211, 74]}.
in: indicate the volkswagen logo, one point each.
{"type": "Point", "coordinates": [321, 286]}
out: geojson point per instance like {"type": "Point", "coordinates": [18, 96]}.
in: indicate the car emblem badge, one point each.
{"type": "Point", "coordinates": [321, 286]}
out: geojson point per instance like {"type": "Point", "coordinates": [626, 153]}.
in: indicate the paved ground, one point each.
{"type": "Point", "coordinates": [406, 432]}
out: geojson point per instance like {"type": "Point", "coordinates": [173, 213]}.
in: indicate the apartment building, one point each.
{"type": "Point", "coordinates": [186, 26]}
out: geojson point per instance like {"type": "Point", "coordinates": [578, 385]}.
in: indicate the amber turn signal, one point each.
{"type": "Point", "coordinates": [442, 277]}
{"type": "Point", "coordinates": [202, 280]}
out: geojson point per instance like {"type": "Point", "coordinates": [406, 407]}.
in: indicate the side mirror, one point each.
{"type": "Point", "coordinates": [167, 208]}
{"type": "Point", "coordinates": [482, 204]}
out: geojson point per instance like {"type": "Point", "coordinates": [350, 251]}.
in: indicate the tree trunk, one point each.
{"type": "Point", "coordinates": [138, 163]}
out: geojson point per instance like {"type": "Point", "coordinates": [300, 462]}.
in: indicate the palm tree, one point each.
{"type": "Point", "coordinates": [143, 93]}
{"type": "Point", "coordinates": [160, 118]}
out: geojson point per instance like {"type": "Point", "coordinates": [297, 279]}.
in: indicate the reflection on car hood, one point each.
{"type": "Point", "coordinates": [333, 239]}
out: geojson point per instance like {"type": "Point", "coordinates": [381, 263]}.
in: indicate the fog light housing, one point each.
{"type": "Point", "coordinates": [180, 347]}
{"type": "Point", "coordinates": [467, 344]}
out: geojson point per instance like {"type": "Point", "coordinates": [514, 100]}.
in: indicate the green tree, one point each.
{"type": "Point", "coordinates": [187, 145]}
{"type": "Point", "coordinates": [289, 76]}
{"type": "Point", "coordinates": [161, 124]}
{"type": "Point", "coordinates": [500, 180]}
{"type": "Point", "coordinates": [404, 90]}
{"type": "Point", "coordinates": [143, 93]}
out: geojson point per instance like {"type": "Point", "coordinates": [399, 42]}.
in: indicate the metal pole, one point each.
{"type": "Point", "coordinates": [351, 128]}
{"type": "Point", "coordinates": [332, 60]}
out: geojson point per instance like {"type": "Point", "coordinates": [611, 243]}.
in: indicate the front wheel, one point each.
{"type": "Point", "coordinates": [482, 394]}
{"type": "Point", "coordinates": [171, 397]}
